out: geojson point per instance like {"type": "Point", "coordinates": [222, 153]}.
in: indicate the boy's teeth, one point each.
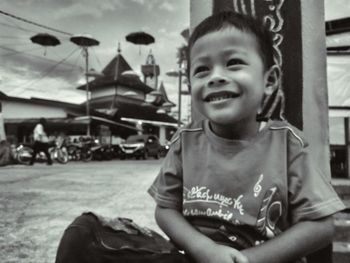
{"type": "Point", "coordinates": [219, 98]}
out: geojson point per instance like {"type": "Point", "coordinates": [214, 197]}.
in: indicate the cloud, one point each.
{"type": "Point", "coordinates": [87, 7]}
{"type": "Point", "coordinates": [108, 20]}
{"type": "Point", "coordinates": [167, 6]}
{"type": "Point", "coordinates": [55, 10]}
{"type": "Point", "coordinates": [335, 9]}
{"type": "Point", "coordinates": [105, 51]}
{"type": "Point", "coordinates": [27, 77]}
{"type": "Point", "coordinates": [141, 2]}
{"type": "Point", "coordinates": [156, 4]}
{"type": "Point", "coordinates": [21, 83]}
{"type": "Point", "coordinates": [162, 30]}
{"type": "Point", "coordinates": [42, 66]}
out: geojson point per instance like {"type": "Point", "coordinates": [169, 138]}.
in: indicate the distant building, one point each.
{"type": "Point", "coordinates": [338, 77]}
{"type": "Point", "coordinates": [120, 105]}
{"type": "Point", "coordinates": [121, 94]}
{"type": "Point", "coordinates": [150, 71]}
{"type": "Point", "coordinates": [20, 116]}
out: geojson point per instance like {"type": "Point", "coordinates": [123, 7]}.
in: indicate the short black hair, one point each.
{"type": "Point", "coordinates": [242, 22]}
{"type": "Point", "coordinates": [42, 121]}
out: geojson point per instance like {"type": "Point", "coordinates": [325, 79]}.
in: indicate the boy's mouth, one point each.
{"type": "Point", "coordinates": [222, 95]}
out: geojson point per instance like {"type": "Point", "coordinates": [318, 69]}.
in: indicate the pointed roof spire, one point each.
{"type": "Point", "coordinates": [119, 48]}
{"type": "Point", "coordinates": [113, 73]}
{"type": "Point", "coordinates": [164, 94]}
{"type": "Point", "coordinates": [116, 66]}
{"type": "Point", "coordinates": [150, 60]}
{"type": "Point", "coordinates": [162, 91]}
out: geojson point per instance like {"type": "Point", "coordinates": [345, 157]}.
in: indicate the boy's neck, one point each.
{"type": "Point", "coordinates": [238, 131]}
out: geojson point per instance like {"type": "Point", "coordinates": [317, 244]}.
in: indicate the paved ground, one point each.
{"type": "Point", "coordinates": [38, 202]}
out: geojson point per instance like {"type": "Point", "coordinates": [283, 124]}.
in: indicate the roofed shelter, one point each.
{"type": "Point", "coordinates": [121, 94]}
{"type": "Point", "coordinates": [21, 114]}
{"type": "Point", "coordinates": [338, 67]}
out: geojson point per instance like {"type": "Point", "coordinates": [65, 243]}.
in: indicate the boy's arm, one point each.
{"type": "Point", "coordinates": [300, 240]}
{"type": "Point", "coordinates": [201, 248]}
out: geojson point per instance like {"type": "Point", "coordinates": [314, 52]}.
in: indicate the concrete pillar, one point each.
{"type": "Point", "coordinates": [162, 135]}
{"type": "Point", "coordinates": [347, 144]}
{"type": "Point", "coordinates": [315, 95]}
{"type": "Point", "coordinates": [299, 43]}
{"type": "Point", "coordinates": [2, 128]}
{"type": "Point", "coordinates": [2, 125]}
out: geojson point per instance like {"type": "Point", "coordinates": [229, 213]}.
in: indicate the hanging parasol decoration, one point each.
{"type": "Point", "coordinates": [45, 39]}
{"type": "Point", "coordinates": [84, 40]}
{"type": "Point", "coordinates": [140, 38]}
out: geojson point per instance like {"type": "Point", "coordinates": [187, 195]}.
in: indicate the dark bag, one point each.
{"type": "Point", "coordinates": [90, 240]}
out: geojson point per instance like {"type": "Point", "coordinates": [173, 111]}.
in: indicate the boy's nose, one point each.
{"type": "Point", "coordinates": [217, 81]}
{"type": "Point", "coordinates": [218, 77]}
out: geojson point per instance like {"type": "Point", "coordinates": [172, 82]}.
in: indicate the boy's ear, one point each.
{"type": "Point", "coordinates": [273, 76]}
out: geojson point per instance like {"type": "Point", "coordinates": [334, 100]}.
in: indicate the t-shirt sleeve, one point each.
{"type": "Point", "coordinates": [311, 195]}
{"type": "Point", "coordinates": [167, 188]}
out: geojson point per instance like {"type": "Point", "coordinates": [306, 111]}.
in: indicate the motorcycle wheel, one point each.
{"type": "Point", "coordinates": [62, 155]}
{"type": "Point", "coordinates": [145, 155]}
{"type": "Point", "coordinates": [86, 156]}
{"type": "Point", "coordinates": [24, 155]}
{"type": "Point", "coordinates": [157, 156]}
{"type": "Point", "coordinates": [108, 155]}
{"type": "Point", "coordinates": [72, 152]}
{"type": "Point", "coordinates": [97, 156]}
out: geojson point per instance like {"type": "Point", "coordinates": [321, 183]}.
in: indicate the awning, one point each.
{"type": "Point", "coordinates": [146, 114]}
{"type": "Point", "coordinates": [156, 123]}
{"type": "Point", "coordinates": [90, 119]}
{"type": "Point", "coordinates": [339, 112]}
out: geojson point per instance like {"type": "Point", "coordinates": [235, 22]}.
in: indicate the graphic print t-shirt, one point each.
{"type": "Point", "coordinates": [267, 184]}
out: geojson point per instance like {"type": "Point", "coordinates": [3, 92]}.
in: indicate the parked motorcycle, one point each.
{"type": "Point", "coordinates": [23, 153]}
{"type": "Point", "coordinates": [59, 151]}
{"type": "Point", "coordinates": [103, 152]}
{"type": "Point", "coordinates": [80, 150]}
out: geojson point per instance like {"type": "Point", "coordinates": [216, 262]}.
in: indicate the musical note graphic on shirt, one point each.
{"type": "Point", "coordinates": [257, 186]}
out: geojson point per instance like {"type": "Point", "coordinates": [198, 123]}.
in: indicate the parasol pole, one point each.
{"type": "Point", "coordinates": [116, 77]}
{"type": "Point", "coordinates": [179, 96]}
{"type": "Point", "coordinates": [86, 41]}
{"type": "Point", "coordinates": [154, 73]}
{"type": "Point", "coordinates": [86, 55]}
{"type": "Point", "coordinates": [154, 76]}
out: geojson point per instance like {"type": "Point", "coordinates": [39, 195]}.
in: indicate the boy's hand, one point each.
{"type": "Point", "coordinates": [220, 254]}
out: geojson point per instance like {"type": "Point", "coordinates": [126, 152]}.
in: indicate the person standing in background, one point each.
{"type": "Point", "coordinates": [41, 141]}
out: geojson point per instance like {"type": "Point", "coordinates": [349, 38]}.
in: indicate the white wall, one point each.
{"type": "Point", "coordinates": [16, 110]}
{"type": "Point", "coordinates": [338, 78]}
{"type": "Point", "coordinates": [138, 94]}
{"type": "Point", "coordinates": [110, 91]}
{"type": "Point", "coordinates": [102, 92]}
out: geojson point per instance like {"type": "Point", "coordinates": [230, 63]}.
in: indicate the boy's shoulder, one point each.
{"type": "Point", "coordinates": [292, 132]}
{"type": "Point", "coordinates": [190, 128]}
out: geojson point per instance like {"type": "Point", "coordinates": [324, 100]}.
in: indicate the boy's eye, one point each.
{"type": "Point", "coordinates": [234, 62]}
{"type": "Point", "coordinates": [200, 69]}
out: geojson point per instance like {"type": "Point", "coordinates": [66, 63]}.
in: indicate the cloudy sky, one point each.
{"type": "Point", "coordinates": [28, 69]}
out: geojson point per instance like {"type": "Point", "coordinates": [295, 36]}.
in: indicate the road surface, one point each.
{"type": "Point", "coordinates": [38, 202]}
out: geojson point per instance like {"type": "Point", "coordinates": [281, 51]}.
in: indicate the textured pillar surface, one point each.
{"type": "Point", "coordinates": [315, 94]}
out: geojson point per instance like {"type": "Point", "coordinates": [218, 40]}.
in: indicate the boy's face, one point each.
{"type": "Point", "coordinates": [227, 77]}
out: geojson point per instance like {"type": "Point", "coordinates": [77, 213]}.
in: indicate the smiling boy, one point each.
{"type": "Point", "coordinates": [232, 189]}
